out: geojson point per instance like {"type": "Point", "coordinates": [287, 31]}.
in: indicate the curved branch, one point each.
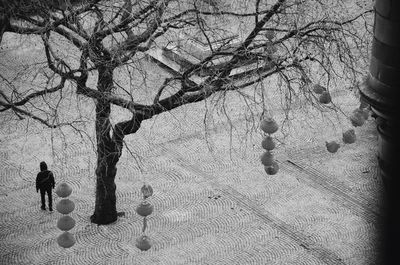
{"type": "Point", "coordinates": [124, 25]}
{"type": "Point", "coordinates": [161, 89]}
{"type": "Point", "coordinates": [42, 28]}
{"type": "Point", "coordinates": [253, 34]}
{"type": "Point", "coordinates": [118, 101]}
{"type": "Point", "coordinates": [30, 96]}
{"type": "Point", "coordinates": [133, 41]}
{"type": "Point", "coordinates": [302, 31]}
{"type": "Point", "coordinates": [41, 120]}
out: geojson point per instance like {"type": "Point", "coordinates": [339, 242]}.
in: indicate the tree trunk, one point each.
{"type": "Point", "coordinates": [105, 211]}
{"type": "Point", "coordinates": [107, 155]}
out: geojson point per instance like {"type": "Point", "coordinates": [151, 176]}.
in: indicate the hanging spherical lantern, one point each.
{"type": "Point", "coordinates": [65, 223]}
{"type": "Point", "coordinates": [269, 125]}
{"type": "Point", "coordinates": [143, 243]}
{"type": "Point", "coordinates": [268, 143]}
{"type": "Point", "coordinates": [325, 97]}
{"type": "Point", "coordinates": [66, 240]}
{"type": "Point", "coordinates": [147, 191]}
{"type": "Point", "coordinates": [349, 136]}
{"type": "Point", "coordinates": [332, 146]}
{"type": "Point", "coordinates": [272, 169]}
{"type": "Point", "coordinates": [63, 190]}
{"type": "Point", "coordinates": [267, 158]}
{"type": "Point", "coordinates": [318, 89]}
{"type": "Point", "coordinates": [144, 208]}
{"type": "Point", "coordinates": [65, 206]}
{"type": "Point", "coordinates": [357, 118]}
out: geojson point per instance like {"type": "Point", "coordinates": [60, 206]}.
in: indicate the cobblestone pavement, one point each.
{"type": "Point", "coordinates": [214, 204]}
{"type": "Point", "coordinates": [211, 206]}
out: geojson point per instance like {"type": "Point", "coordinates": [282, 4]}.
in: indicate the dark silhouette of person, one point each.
{"type": "Point", "coordinates": [45, 183]}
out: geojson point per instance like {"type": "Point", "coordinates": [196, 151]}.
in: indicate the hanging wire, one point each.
{"type": "Point", "coordinates": [144, 225]}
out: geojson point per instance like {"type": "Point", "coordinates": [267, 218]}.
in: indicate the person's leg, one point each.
{"type": "Point", "coordinates": [42, 193]}
{"type": "Point", "coordinates": [50, 196]}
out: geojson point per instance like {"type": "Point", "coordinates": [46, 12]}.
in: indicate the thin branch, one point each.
{"type": "Point", "coordinates": [161, 89]}
{"type": "Point", "coordinates": [41, 120]}
{"type": "Point", "coordinates": [31, 96]}
{"type": "Point", "coordinates": [123, 26]}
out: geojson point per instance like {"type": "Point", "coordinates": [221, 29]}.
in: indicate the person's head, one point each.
{"type": "Point", "coordinates": [43, 166]}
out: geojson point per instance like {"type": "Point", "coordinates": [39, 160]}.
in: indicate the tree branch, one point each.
{"type": "Point", "coordinates": [133, 41]}
{"type": "Point", "coordinates": [30, 96]}
{"type": "Point", "coordinates": [123, 26]}
{"type": "Point", "coordinates": [41, 120]}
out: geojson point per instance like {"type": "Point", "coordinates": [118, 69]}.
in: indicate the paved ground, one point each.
{"type": "Point", "coordinates": [211, 206]}
{"type": "Point", "coordinates": [214, 204]}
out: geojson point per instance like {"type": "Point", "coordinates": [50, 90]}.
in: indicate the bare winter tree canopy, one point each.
{"type": "Point", "coordinates": [217, 46]}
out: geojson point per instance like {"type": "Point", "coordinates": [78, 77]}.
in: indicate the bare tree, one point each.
{"type": "Point", "coordinates": [219, 46]}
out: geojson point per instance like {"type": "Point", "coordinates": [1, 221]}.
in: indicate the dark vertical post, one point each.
{"type": "Point", "coordinates": [381, 90]}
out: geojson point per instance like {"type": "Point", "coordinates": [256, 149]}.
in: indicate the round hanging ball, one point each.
{"type": "Point", "coordinates": [349, 136]}
{"type": "Point", "coordinates": [332, 146]}
{"type": "Point", "coordinates": [65, 206]}
{"type": "Point", "coordinates": [267, 158]}
{"type": "Point", "coordinates": [269, 125]}
{"type": "Point", "coordinates": [147, 190]}
{"type": "Point", "coordinates": [144, 208]}
{"type": "Point", "coordinates": [325, 97]}
{"type": "Point", "coordinates": [63, 190]}
{"type": "Point", "coordinates": [143, 243]}
{"type": "Point", "coordinates": [273, 169]}
{"type": "Point", "coordinates": [66, 240]}
{"type": "Point", "coordinates": [357, 118]}
{"type": "Point", "coordinates": [66, 223]}
{"type": "Point", "coordinates": [268, 143]}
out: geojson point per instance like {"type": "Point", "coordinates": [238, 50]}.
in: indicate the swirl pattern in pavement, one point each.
{"type": "Point", "coordinates": [215, 207]}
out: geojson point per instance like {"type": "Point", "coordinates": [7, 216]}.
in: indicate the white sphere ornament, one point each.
{"type": "Point", "coordinates": [147, 190]}
{"type": "Point", "coordinates": [269, 125]}
{"type": "Point", "coordinates": [143, 243]}
{"type": "Point", "coordinates": [325, 97]}
{"type": "Point", "coordinates": [267, 158]}
{"type": "Point", "coordinates": [332, 146]}
{"type": "Point", "coordinates": [66, 223]}
{"type": "Point", "coordinates": [145, 208]}
{"type": "Point", "coordinates": [272, 169]}
{"type": "Point", "coordinates": [66, 240]}
{"type": "Point", "coordinates": [63, 190]}
{"type": "Point", "coordinates": [268, 143]}
{"type": "Point", "coordinates": [349, 136]}
{"type": "Point", "coordinates": [357, 118]}
{"type": "Point", "coordinates": [65, 206]}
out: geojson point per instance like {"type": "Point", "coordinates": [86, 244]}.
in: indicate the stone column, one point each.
{"type": "Point", "coordinates": [382, 84]}
{"type": "Point", "coordinates": [381, 90]}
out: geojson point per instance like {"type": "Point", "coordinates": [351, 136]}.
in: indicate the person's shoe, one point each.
{"type": "Point", "coordinates": [43, 208]}
{"type": "Point", "coordinates": [50, 209]}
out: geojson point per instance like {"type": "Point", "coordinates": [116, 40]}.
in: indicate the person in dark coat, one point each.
{"type": "Point", "coordinates": [45, 183]}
